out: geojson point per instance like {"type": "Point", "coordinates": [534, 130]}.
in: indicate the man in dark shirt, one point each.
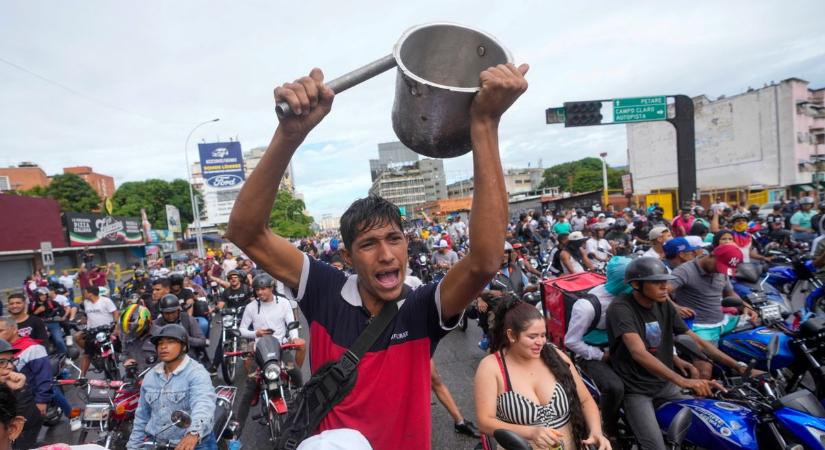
{"type": "Point", "coordinates": [236, 294]}
{"type": "Point", "coordinates": [27, 325]}
{"type": "Point", "coordinates": [160, 287]}
{"type": "Point", "coordinates": [640, 329]}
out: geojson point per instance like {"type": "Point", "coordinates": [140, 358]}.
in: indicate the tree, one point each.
{"type": "Point", "coordinates": [153, 195]}
{"type": "Point", "coordinates": [581, 176]}
{"type": "Point", "coordinates": [37, 191]}
{"type": "Point", "coordinates": [287, 217]}
{"type": "Point", "coordinates": [73, 193]}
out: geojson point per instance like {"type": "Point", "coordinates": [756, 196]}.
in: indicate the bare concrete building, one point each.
{"type": "Point", "coordinates": [771, 137]}
{"type": "Point", "coordinates": [399, 176]}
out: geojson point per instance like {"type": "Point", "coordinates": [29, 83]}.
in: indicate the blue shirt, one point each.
{"type": "Point", "coordinates": [188, 388]}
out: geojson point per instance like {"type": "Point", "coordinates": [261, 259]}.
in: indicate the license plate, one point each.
{"type": "Point", "coordinates": [96, 412]}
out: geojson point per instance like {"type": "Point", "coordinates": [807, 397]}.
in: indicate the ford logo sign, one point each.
{"type": "Point", "coordinates": [224, 181]}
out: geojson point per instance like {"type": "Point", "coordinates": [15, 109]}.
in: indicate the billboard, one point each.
{"type": "Point", "coordinates": [221, 164]}
{"type": "Point", "coordinates": [100, 229]}
{"type": "Point", "coordinates": [173, 218]}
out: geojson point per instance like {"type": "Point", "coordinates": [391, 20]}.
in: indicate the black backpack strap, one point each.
{"type": "Point", "coordinates": [597, 307]}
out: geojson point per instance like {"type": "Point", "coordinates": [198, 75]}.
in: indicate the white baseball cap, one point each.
{"type": "Point", "coordinates": [341, 439]}
{"type": "Point", "coordinates": [441, 244]}
{"type": "Point", "coordinates": [576, 236]}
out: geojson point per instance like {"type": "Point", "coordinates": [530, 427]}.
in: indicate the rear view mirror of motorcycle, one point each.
{"type": "Point", "coordinates": [294, 325]}
{"type": "Point", "coordinates": [510, 440]}
{"type": "Point", "coordinates": [686, 345]}
{"type": "Point", "coordinates": [773, 349]}
{"type": "Point", "coordinates": [181, 419]}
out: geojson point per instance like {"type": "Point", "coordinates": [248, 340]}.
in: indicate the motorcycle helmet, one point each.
{"type": "Point", "coordinates": [173, 331]}
{"type": "Point", "coordinates": [235, 272]}
{"type": "Point", "coordinates": [647, 269]}
{"type": "Point", "coordinates": [41, 291]}
{"type": "Point", "coordinates": [739, 216]}
{"type": "Point", "coordinates": [263, 280]}
{"type": "Point", "coordinates": [169, 303]}
{"type": "Point", "coordinates": [140, 273]}
{"type": "Point", "coordinates": [103, 291]}
{"type": "Point", "coordinates": [135, 320]}
{"type": "Point", "coordinates": [753, 207]}
{"type": "Point", "coordinates": [806, 201]}
{"type": "Point", "coordinates": [176, 279]}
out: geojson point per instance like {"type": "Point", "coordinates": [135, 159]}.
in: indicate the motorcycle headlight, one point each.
{"type": "Point", "coordinates": [272, 372]}
{"type": "Point", "coordinates": [422, 259]}
{"type": "Point", "coordinates": [770, 312]}
{"type": "Point", "coordinates": [534, 262]}
{"type": "Point", "coordinates": [101, 337]}
{"type": "Point", "coordinates": [228, 321]}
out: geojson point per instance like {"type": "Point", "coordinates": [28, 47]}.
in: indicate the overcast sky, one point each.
{"type": "Point", "coordinates": [125, 82]}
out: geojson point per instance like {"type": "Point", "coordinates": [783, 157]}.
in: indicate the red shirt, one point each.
{"type": "Point", "coordinates": [390, 403]}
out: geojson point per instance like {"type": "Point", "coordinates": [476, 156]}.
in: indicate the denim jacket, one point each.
{"type": "Point", "coordinates": [188, 388]}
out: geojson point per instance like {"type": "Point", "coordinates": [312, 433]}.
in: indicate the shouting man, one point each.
{"type": "Point", "coordinates": [339, 307]}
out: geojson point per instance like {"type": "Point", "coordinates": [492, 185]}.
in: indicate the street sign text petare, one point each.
{"type": "Point", "coordinates": [639, 109]}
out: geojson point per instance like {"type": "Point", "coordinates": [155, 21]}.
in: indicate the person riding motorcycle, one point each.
{"type": "Point", "coordinates": [176, 383]}
{"type": "Point", "coordinates": [641, 328]}
{"type": "Point", "coordinates": [171, 313]}
{"type": "Point", "coordinates": [49, 310]}
{"type": "Point", "coordinates": [269, 315]}
{"type": "Point", "coordinates": [236, 294]}
{"type": "Point", "coordinates": [135, 324]}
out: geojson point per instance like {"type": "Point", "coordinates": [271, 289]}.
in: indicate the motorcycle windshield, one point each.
{"type": "Point", "coordinates": [267, 349]}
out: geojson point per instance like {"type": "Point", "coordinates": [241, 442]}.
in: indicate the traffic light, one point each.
{"type": "Point", "coordinates": [580, 114]}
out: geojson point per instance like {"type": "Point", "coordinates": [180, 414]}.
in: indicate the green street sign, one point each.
{"type": "Point", "coordinates": [555, 115]}
{"type": "Point", "coordinates": [639, 109]}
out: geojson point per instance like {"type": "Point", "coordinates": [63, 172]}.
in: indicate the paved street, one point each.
{"type": "Point", "coordinates": [457, 357]}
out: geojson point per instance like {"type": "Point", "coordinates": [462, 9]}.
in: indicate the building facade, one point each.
{"type": "Point", "coordinates": [517, 181]}
{"type": "Point", "coordinates": [23, 177]}
{"type": "Point", "coordinates": [399, 176]}
{"type": "Point", "coordinates": [252, 157]}
{"type": "Point", "coordinates": [768, 137]}
{"type": "Point", "coordinates": [104, 185]}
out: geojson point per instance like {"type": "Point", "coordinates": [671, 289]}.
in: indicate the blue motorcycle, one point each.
{"type": "Point", "coordinates": [753, 414]}
{"type": "Point", "coordinates": [798, 274]}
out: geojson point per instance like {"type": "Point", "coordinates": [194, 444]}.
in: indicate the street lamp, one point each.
{"type": "Point", "coordinates": [604, 178]}
{"type": "Point", "coordinates": [196, 214]}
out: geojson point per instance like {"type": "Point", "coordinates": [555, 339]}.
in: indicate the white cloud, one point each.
{"type": "Point", "coordinates": [166, 66]}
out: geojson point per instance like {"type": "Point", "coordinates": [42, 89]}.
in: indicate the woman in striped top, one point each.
{"type": "Point", "coordinates": [531, 388]}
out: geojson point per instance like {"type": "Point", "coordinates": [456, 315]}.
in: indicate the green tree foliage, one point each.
{"type": "Point", "coordinates": [37, 191]}
{"type": "Point", "coordinates": [287, 217]}
{"type": "Point", "coordinates": [72, 192]}
{"type": "Point", "coordinates": [153, 196]}
{"type": "Point", "coordinates": [581, 176]}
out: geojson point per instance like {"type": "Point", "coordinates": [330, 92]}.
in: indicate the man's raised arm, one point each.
{"type": "Point", "coordinates": [248, 226]}
{"type": "Point", "coordinates": [500, 87]}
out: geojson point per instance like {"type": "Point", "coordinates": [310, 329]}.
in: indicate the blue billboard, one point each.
{"type": "Point", "coordinates": [221, 164]}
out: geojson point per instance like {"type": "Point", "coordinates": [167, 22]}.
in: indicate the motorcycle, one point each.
{"type": "Point", "coordinates": [59, 364]}
{"type": "Point", "coordinates": [104, 358]}
{"type": "Point", "coordinates": [753, 413]}
{"type": "Point", "coordinates": [800, 348]}
{"type": "Point", "coordinates": [798, 276]}
{"type": "Point", "coordinates": [420, 266]}
{"type": "Point", "coordinates": [110, 407]}
{"type": "Point", "coordinates": [231, 342]}
{"type": "Point", "coordinates": [224, 427]}
{"type": "Point", "coordinates": [277, 380]}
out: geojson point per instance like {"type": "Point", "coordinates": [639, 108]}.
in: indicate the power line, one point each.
{"type": "Point", "coordinates": [82, 95]}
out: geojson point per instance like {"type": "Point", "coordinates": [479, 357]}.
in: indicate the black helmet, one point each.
{"type": "Point", "coordinates": [646, 268]}
{"type": "Point", "coordinates": [263, 281]}
{"type": "Point", "coordinates": [739, 216]}
{"type": "Point", "coordinates": [174, 331]}
{"type": "Point", "coordinates": [140, 273]}
{"type": "Point", "coordinates": [169, 303]}
{"type": "Point", "coordinates": [176, 279]}
{"type": "Point", "coordinates": [620, 224]}
{"type": "Point", "coordinates": [752, 207]}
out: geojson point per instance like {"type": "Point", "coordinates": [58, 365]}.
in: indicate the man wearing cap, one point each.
{"type": "Point", "coordinates": [681, 225]}
{"type": "Point", "coordinates": [679, 251]}
{"type": "Point", "coordinates": [444, 257]}
{"type": "Point", "coordinates": [700, 285]}
{"type": "Point", "coordinates": [657, 237]}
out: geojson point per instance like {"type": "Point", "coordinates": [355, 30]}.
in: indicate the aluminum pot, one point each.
{"type": "Point", "coordinates": [438, 74]}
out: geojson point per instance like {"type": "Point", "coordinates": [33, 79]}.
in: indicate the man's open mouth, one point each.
{"type": "Point", "coordinates": [388, 279]}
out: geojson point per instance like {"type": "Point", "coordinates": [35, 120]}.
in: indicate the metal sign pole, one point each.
{"type": "Point", "coordinates": [683, 122]}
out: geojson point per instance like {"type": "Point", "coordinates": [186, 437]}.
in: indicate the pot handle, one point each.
{"type": "Point", "coordinates": [348, 80]}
